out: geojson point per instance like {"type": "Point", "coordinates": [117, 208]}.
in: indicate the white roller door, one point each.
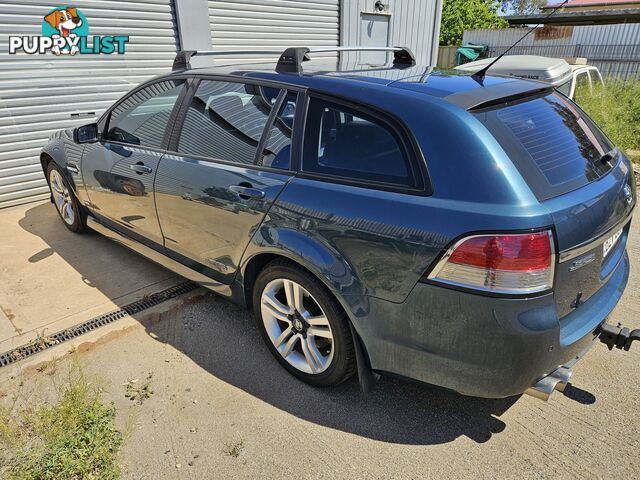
{"type": "Point", "coordinates": [43, 93]}
{"type": "Point", "coordinates": [273, 24]}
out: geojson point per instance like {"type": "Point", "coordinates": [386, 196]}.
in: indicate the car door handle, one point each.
{"type": "Point", "coordinates": [140, 168]}
{"type": "Point", "coordinates": [247, 192]}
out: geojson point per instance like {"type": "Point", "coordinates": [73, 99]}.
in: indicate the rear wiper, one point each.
{"type": "Point", "coordinates": [609, 156]}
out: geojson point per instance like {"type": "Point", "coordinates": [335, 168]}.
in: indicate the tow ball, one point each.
{"type": "Point", "coordinates": [617, 336]}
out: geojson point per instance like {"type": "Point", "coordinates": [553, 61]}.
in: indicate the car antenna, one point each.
{"type": "Point", "coordinates": [479, 75]}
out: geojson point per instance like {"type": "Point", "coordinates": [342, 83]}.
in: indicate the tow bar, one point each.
{"type": "Point", "coordinates": [612, 336]}
{"type": "Point", "coordinates": [619, 336]}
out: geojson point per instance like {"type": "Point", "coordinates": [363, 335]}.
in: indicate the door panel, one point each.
{"type": "Point", "coordinates": [120, 194]}
{"type": "Point", "coordinates": [207, 224]}
{"type": "Point", "coordinates": [211, 197]}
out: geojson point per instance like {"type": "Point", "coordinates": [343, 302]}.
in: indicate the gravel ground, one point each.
{"type": "Point", "coordinates": [223, 408]}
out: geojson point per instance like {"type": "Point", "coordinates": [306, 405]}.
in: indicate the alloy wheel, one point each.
{"type": "Point", "coordinates": [297, 326]}
{"type": "Point", "coordinates": [61, 197]}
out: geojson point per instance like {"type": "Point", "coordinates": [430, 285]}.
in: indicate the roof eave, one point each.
{"type": "Point", "coordinates": [587, 17]}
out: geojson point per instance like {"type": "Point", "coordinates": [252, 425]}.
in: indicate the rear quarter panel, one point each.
{"type": "Point", "coordinates": [364, 242]}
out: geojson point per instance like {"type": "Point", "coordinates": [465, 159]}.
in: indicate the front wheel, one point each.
{"type": "Point", "coordinates": [303, 325]}
{"type": "Point", "coordinates": [65, 201]}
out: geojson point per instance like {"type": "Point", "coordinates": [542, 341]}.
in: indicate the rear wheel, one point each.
{"type": "Point", "coordinates": [65, 201]}
{"type": "Point", "coordinates": [303, 325]}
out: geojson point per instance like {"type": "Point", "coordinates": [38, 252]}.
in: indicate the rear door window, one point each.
{"type": "Point", "coordinates": [225, 121]}
{"type": "Point", "coordinates": [350, 144]}
{"type": "Point", "coordinates": [277, 146]}
{"type": "Point", "coordinates": [556, 147]}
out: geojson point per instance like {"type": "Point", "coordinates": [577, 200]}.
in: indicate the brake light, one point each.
{"type": "Point", "coordinates": [512, 264]}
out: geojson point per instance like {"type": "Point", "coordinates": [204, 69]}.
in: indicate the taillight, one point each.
{"type": "Point", "coordinates": [510, 264]}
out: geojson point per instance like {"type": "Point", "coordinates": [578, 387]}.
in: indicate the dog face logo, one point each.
{"type": "Point", "coordinates": [65, 22]}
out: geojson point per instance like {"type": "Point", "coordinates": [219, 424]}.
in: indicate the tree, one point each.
{"type": "Point", "coordinates": [523, 7]}
{"type": "Point", "coordinates": [458, 15]}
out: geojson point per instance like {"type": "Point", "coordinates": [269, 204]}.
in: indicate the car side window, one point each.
{"type": "Point", "coordinates": [277, 147]}
{"type": "Point", "coordinates": [142, 118]}
{"type": "Point", "coordinates": [596, 78]}
{"type": "Point", "coordinates": [350, 144]}
{"type": "Point", "coordinates": [583, 87]}
{"type": "Point", "coordinates": [225, 121]}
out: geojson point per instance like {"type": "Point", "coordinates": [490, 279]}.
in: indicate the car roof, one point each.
{"type": "Point", "coordinates": [458, 88]}
{"type": "Point", "coordinates": [575, 68]}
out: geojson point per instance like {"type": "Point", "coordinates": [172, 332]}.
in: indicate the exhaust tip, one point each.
{"type": "Point", "coordinates": [557, 380]}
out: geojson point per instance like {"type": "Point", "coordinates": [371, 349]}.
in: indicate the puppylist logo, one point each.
{"type": "Point", "coordinates": [65, 31]}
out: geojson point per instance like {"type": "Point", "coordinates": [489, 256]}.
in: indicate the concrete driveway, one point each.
{"type": "Point", "coordinates": [223, 408]}
{"type": "Point", "coordinates": [51, 278]}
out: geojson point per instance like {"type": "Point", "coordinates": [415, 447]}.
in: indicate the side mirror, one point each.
{"type": "Point", "coordinates": [86, 133]}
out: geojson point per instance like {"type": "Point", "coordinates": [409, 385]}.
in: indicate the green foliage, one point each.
{"type": "Point", "coordinates": [523, 7]}
{"type": "Point", "coordinates": [74, 439]}
{"type": "Point", "coordinates": [616, 109]}
{"type": "Point", "coordinates": [459, 15]}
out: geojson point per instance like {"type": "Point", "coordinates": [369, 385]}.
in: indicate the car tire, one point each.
{"type": "Point", "coordinates": [318, 349]}
{"type": "Point", "coordinates": [69, 209]}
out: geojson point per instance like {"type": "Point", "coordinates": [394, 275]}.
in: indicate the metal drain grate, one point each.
{"type": "Point", "coordinates": [44, 342]}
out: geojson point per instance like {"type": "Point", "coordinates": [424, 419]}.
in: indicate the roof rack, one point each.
{"type": "Point", "coordinates": [290, 61]}
{"type": "Point", "coordinates": [181, 62]}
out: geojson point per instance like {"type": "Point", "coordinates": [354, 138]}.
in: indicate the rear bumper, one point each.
{"type": "Point", "coordinates": [478, 345]}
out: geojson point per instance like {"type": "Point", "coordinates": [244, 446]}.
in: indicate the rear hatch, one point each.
{"type": "Point", "coordinates": [576, 172]}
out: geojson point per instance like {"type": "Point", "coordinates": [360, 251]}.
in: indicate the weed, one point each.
{"type": "Point", "coordinates": [76, 438]}
{"type": "Point", "coordinates": [616, 109]}
{"type": "Point", "coordinates": [139, 393]}
{"type": "Point", "coordinates": [41, 342]}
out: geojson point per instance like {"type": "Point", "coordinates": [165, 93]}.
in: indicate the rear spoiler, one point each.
{"type": "Point", "coordinates": [485, 97]}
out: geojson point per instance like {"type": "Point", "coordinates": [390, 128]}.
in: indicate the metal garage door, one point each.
{"type": "Point", "coordinates": [43, 93]}
{"type": "Point", "coordinates": [273, 24]}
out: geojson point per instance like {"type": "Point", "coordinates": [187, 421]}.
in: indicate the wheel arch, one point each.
{"type": "Point", "coordinates": [320, 260]}
{"type": "Point", "coordinates": [257, 262]}
{"type": "Point", "coordinates": [48, 155]}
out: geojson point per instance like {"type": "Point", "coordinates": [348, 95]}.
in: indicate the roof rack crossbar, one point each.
{"type": "Point", "coordinates": [291, 59]}
{"type": "Point", "coordinates": [181, 62]}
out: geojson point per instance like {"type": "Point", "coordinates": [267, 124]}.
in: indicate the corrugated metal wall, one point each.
{"type": "Point", "coordinates": [446, 56]}
{"type": "Point", "coordinates": [273, 24]}
{"type": "Point", "coordinates": [614, 49]}
{"type": "Point", "coordinates": [621, 34]}
{"type": "Point", "coordinates": [413, 23]}
{"type": "Point", "coordinates": [40, 93]}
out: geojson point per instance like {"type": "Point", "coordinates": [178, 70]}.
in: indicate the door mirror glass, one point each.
{"type": "Point", "coordinates": [86, 133]}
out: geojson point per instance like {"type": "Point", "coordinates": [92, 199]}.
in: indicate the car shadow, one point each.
{"type": "Point", "coordinates": [223, 339]}
{"type": "Point", "coordinates": [110, 268]}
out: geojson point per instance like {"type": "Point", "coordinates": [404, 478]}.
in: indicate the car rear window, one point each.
{"type": "Point", "coordinates": [556, 147]}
